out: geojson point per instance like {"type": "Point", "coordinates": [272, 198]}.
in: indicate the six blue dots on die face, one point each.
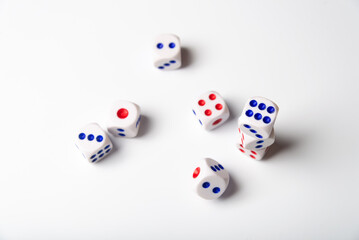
{"type": "Point", "coordinates": [258, 116]}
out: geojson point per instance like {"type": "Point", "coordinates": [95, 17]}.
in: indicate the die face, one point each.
{"type": "Point", "coordinates": [211, 110]}
{"type": "Point", "coordinates": [258, 117]}
{"type": "Point", "coordinates": [125, 119]}
{"type": "Point", "coordinates": [93, 142]}
{"type": "Point", "coordinates": [211, 179]}
{"type": "Point", "coordinates": [167, 52]}
{"type": "Point", "coordinates": [252, 143]}
{"type": "Point", "coordinates": [254, 154]}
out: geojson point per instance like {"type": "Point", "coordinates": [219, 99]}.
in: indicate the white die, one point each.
{"type": "Point", "coordinates": [93, 142]}
{"type": "Point", "coordinates": [255, 154]}
{"type": "Point", "coordinates": [211, 110]}
{"type": "Point", "coordinates": [253, 143]}
{"type": "Point", "coordinates": [258, 117]}
{"type": "Point", "coordinates": [125, 119]}
{"type": "Point", "coordinates": [210, 179]}
{"type": "Point", "coordinates": [167, 52]}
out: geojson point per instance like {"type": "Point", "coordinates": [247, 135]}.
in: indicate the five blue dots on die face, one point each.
{"type": "Point", "coordinates": [170, 45]}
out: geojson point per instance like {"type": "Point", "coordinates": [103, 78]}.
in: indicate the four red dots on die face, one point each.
{"type": "Point", "coordinates": [208, 112]}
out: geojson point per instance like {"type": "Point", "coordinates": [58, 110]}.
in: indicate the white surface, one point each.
{"type": "Point", "coordinates": [63, 62]}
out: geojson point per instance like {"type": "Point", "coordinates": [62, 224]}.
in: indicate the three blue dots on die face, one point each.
{"type": "Point", "coordinates": [90, 137]}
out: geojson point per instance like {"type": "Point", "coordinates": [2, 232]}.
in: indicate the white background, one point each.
{"type": "Point", "coordinates": [62, 63]}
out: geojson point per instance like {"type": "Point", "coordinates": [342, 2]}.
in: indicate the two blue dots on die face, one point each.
{"type": "Point", "coordinates": [170, 45]}
{"type": "Point", "coordinates": [121, 132]}
{"type": "Point", "coordinates": [214, 190]}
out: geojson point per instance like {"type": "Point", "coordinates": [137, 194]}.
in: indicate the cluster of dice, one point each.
{"type": "Point", "coordinates": [256, 134]}
{"type": "Point", "coordinates": [124, 121]}
{"type": "Point", "coordinates": [255, 124]}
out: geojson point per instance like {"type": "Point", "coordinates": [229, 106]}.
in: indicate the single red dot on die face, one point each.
{"type": "Point", "coordinates": [122, 113]}
{"type": "Point", "coordinates": [252, 156]}
{"type": "Point", "coordinates": [217, 121]}
{"type": "Point", "coordinates": [201, 102]}
{"type": "Point", "coordinates": [219, 106]}
{"type": "Point", "coordinates": [241, 150]}
{"type": "Point", "coordinates": [208, 112]}
{"type": "Point", "coordinates": [196, 172]}
{"type": "Point", "coordinates": [212, 96]}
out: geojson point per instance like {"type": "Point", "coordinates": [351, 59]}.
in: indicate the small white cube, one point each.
{"type": "Point", "coordinates": [93, 142]}
{"type": "Point", "coordinates": [167, 52]}
{"type": "Point", "coordinates": [258, 117]}
{"type": "Point", "coordinates": [210, 179]}
{"type": "Point", "coordinates": [211, 110]}
{"type": "Point", "coordinates": [124, 119]}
